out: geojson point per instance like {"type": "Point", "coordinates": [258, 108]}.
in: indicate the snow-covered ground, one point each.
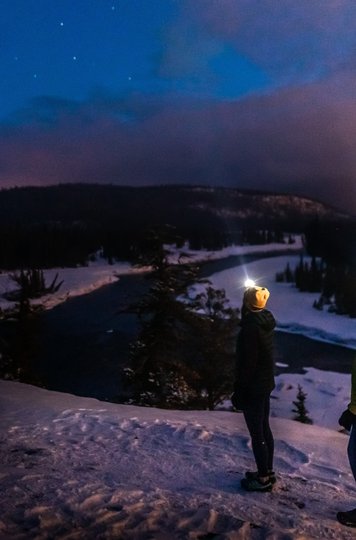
{"type": "Point", "coordinates": [79, 469]}
{"type": "Point", "coordinates": [328, 394]}
{"type": "Point", "coordinates": [75, 468]}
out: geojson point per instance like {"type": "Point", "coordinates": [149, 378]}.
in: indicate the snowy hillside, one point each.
{"type": "Point", "coordinates": [77, 468]}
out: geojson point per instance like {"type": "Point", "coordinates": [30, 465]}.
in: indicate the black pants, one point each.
{"type": "Point", "coordinates": [256, 414]}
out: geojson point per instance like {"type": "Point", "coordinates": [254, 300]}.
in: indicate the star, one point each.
{"type": "Point", "coordinates": [61, 23]}
{"type": "Point", "coordinates": [74, 58]}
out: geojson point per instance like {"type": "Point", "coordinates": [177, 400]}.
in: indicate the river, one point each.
{"type": "Point", "coordinates": [85, 341]}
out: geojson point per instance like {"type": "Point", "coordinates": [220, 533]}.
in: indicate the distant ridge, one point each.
{"type": "Point", "coordinates": [64, 225]}
{"type": "Point", "coordinates": [168, 203]}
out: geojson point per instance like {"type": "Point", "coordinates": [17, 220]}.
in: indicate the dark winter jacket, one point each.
{"type": "Point", "coordinates": [254, 355]}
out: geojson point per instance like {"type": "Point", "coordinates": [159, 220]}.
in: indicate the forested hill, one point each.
{"type": "Point", "coordinates": [62, 224]}
{"type": "Point", "coordinates": [88, 202]}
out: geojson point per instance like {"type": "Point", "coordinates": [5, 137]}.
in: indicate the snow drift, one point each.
{"type": "Point", "coordinates": [77, 468]}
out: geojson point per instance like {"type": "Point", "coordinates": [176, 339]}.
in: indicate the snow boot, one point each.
{"type": "Point", "coordinates": [255, 484]}
{"type": "Point", "coordinates": [347, 518]}
{"type": "Point", "coordinates": [254, 474]}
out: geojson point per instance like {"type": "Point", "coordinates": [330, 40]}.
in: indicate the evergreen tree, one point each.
{"type": "Point", "coordinates": [299, 273]}
{"type": "Point", "coordinates": [20, 343]}
{"type": "Point", "coordinates": [288, 274]}
{"type": "Point", "coordinates": [31, 284]}
{"type": "Point", "coordinates": [19, 348]}
{"type": "Point", "coordinates": [215, 325]}
{"type": "Point", "coordinates": [300, 409]}
{"type": "Point", "coordinates": [157, 375]}
{"type": "Point", "coordinates": [335, 242]}
{"type": "Point", "coordinates": [183, 353]}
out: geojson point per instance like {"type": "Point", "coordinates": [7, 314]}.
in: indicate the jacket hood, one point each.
{"type": "Point", "coordinates": [263, 318]}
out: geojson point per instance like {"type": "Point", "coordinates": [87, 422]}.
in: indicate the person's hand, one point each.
{"type": "Point", "coordinates": [347, 419]}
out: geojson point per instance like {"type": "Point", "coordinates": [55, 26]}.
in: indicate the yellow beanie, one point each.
{"type": "Point", "coordinates": [256, 297]}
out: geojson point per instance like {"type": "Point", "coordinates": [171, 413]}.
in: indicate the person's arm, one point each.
{"type": "Point", "coordinates": [348, 417]}
{"type": "Point", "coordinates": [248, 368]}
{"type": "Point", "coordinates": [352, 404]}
{"type": "Point", "coordinates": [246, 365]}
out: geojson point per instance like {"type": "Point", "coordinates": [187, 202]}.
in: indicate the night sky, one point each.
{"type": "Point", "coordinates": [242, 93]}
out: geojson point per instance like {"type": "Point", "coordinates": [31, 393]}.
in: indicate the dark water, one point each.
{"type": "Point", "coordinates": [299, 351]}
{"type": "Point", "coordinates": [85, 341]}
{"type": "Point", "coordinates": [219, 265]}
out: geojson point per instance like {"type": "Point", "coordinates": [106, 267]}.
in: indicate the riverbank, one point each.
{"type": "Point", "coordinates": [84, 342]}
{"type": "Point", "coordinates": [293, 310]}
{"type": "Point", "coordinates": [98, 273]}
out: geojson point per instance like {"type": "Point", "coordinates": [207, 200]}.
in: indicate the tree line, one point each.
{"type": "Point", "coordinates": [65, 225]}
{"type": "Point", "coordinates": [332, 269]}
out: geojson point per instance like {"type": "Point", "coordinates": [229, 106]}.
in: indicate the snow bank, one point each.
{"type": "Point", "coordinates": [85, 279]}
{"type": "Point", "coordinates": [77, 468]}
{"type": "Point", "coordinates": [328, 394]}
{"type": "Point", "coordinates": [230, 251]}
{"type": "Point", "coordinates": [76, 281]}
{"type": "Point", "coordinates": [293, 310]}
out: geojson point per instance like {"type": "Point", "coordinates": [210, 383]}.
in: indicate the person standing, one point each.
{"type": "Point", "coordinates": [348, 421]}
{"type": "Point", "coordinates": [254, 383]}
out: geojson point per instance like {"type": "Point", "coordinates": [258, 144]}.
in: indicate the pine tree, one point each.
{"type": "Point", "coordinates": [300, 409]}
{"type": "Point", "coordinates": [32, 284]}
{"type": "Point", "coordinates": [215, 325]}
{"type": "Point", "coordinates": [288, 274]}
{"type": "Point", "coordinates": [183, 353]}
{"type": "Point", "coordinates": [299, 274]}
{"type": "Point", "coordinates": [158, 373]}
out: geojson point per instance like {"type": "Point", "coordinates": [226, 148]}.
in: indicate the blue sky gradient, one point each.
{"type": "Point", "coordinates": [243, 93]}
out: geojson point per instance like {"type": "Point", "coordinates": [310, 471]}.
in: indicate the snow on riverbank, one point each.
{"type": "Point", "coordinates": [77, 468]}
{"type": "Point", "coordinates": [85, 279]}
{"type": "Point", "coordinates": [292, 309]}
{"type": "Point", "coordinates": [231, 251]}
{"type": "Point", "coordinates": [76, 281]}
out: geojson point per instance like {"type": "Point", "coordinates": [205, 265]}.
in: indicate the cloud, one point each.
{"type": "Point", "coordinates": [292, 42]}
{"type": "Point", "coordinates": [295, 140]}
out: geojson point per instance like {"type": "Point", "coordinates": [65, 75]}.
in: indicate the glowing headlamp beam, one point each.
{"type": "Point", "coordinates": [249, 283]}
